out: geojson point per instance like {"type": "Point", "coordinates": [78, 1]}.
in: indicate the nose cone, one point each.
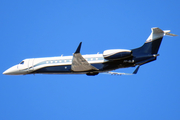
{"type": "Point", "coordinates": [12, 71]}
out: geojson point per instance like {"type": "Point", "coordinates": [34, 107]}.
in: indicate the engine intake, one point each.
{"type": "Point", "coordinates": [116, 54]}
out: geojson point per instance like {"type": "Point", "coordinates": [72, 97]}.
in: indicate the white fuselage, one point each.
{"type": "Point", "coordinates": [27, 66]}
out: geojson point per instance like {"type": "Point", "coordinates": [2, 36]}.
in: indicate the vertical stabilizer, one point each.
{"type": "Point", "coordinates": [152, 44]}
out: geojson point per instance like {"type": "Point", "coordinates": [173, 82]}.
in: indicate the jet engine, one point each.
{"type": "Point", "coordinates": [116, 54]}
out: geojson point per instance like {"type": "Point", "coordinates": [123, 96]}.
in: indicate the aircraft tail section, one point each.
{"type": "Point", "coordinates": [152, 44]}
{"type": "Point", "coordinates": [149, 51]}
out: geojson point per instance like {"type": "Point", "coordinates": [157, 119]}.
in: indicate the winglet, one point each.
{"type": "Point", "coordinates": [79, 48]}
{"type": "Point", "coordinates": [136, 70]}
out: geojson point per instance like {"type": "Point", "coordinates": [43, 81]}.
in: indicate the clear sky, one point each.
{"type": "Point", "coordinates": [41, 28]}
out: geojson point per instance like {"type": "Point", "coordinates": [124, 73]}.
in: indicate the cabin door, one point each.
{"type": "Point", "coordinates": [31, 66]}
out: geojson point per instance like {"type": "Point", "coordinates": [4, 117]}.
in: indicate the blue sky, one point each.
{"type": "Point", "coordinates": [41, 28]}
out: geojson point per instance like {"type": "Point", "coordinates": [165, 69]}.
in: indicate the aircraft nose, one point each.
{"type": "Point", "coordinates": [11, 71]}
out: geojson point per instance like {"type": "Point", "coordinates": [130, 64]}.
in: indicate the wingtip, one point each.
{"type": "Point", "coordinates": [136, 70]}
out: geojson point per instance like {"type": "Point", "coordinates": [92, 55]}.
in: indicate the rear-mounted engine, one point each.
{"type": "Point", "coordinates": [116, 54]}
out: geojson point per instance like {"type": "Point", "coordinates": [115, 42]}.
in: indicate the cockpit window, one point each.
{"type": "Point", "coordinates": [21, 62]}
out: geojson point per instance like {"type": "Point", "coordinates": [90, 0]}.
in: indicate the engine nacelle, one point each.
{"type": "Point", "coordinates": [116, 54]}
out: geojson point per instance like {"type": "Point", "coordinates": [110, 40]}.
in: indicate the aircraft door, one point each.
{"type": "Point", "coordinates": [31, 65]}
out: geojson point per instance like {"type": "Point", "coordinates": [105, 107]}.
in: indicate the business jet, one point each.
{"type": "Point", "coordinates": [93, 64]}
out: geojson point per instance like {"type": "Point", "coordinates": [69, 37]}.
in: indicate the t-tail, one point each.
{"type": "Point", "coordinates": [149, 51]}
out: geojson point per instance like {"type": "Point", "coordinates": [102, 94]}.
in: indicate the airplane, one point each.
{"type": "Point", "coordinates": [93, 64]}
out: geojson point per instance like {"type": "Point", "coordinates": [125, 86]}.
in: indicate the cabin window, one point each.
{"type": "Point", "coordinates": [21, 62]}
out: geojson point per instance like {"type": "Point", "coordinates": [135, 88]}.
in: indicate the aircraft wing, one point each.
{"type": "Point", "coordinates": [117, 73]}
{"type": "Point", "coordinates": [79, 63]}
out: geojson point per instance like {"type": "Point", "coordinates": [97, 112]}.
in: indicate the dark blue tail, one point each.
{"type": "Point", "coordinates": [149, 51]}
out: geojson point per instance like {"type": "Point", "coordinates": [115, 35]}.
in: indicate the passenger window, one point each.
{"type": "Point", "coordinates": [21, 62]}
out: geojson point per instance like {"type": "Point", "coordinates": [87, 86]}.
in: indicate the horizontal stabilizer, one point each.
{"type": "Point", "coordinates": [167, 32]}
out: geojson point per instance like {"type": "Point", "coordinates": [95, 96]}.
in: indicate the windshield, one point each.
{"type": "Point", "coordinates": [21, 62]}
